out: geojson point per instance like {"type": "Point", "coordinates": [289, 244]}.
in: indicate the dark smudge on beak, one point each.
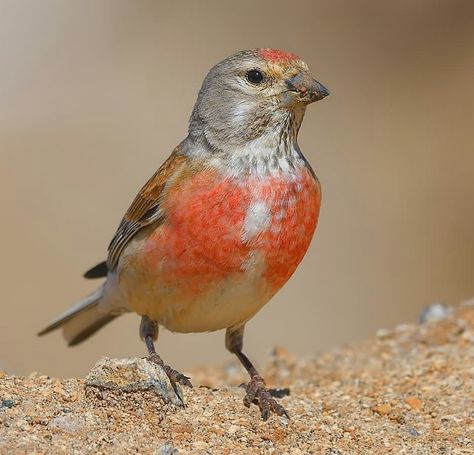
{"type": "Point", "coordinates": [319, 90]}
{"type": "Point", "coordinates": [309, 89]}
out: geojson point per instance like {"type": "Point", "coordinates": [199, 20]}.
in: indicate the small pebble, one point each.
{"type": "Point", "coordinates": [434, 312]}
{"type": "Point", "coordinates": [7, 404]}
{"type": "Point", "coordinates": [382, 409]}
{"type": "Point", "coordinates": [168, 449]}
{"type": "Point", "coordinates": [232, 429]}
{"type": "Point", "coordinates": [413, 432]}
{"type": "Point", "coordinates": [384, 333]}
{"type": "Point", "coordinates": [67, 423]}
{"type": "Point", "coordinates": [414, 403]}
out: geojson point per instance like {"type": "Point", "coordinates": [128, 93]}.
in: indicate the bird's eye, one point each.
{"type": "Point", "coordinates": [255, 76]}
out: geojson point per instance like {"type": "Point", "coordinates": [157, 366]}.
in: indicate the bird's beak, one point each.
{"type": "Point", "coordinates": [306, 88]}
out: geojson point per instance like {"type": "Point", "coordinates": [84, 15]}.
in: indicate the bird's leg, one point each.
{"type": "Point", "coordinates": [149, 333]}
{"type": "Point", "coordinates": [256, 389]}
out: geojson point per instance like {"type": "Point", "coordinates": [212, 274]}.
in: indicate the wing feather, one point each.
{"type": "Point", "coordinates": [145, 209]}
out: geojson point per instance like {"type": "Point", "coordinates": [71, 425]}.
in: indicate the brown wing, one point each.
{"type": "Point", "coordinates": [145, 208]}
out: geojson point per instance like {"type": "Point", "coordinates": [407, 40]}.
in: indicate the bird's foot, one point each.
{"type": "Point", "coordinates": [258, 393]}
{"type": "Point", "coordinates": [174, 376]}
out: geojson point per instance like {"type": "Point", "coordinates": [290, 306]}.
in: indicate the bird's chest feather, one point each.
{"type": "Point", "coordinates": [225, 229]}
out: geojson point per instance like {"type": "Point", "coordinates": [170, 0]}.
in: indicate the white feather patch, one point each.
{"type": "Point", "coordinates": [257, 219]}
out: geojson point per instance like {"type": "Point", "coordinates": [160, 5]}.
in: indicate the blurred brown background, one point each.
{"type": "Point", "coordinates": [94, 96]}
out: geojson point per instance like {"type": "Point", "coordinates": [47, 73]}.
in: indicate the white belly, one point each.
{"type": "Point", "coordinates": [227, 303]}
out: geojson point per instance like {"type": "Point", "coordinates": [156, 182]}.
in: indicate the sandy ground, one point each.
{"type": "Point", "coordinates": [409, 390]}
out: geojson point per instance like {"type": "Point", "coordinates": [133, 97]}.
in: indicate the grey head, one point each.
{"type": "Point", "coordinates": [252, 94]}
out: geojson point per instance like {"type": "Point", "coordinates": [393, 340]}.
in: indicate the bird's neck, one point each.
{"type": "Point", "coordinates": [273, 151]}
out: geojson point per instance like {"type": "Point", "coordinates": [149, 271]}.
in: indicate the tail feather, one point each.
{"type": "Point", "coordinates": [74, 337]}
{"type": "Point", "coordinates": [81, 320]}
{"type": "Point", "coordinates": [98, 271]}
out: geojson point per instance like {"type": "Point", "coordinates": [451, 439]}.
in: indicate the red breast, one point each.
{"type": "Point", "coordinates": [209, 233]}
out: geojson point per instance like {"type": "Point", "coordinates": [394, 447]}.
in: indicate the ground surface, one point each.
{"type": "Point", "coordinates": [406, 391]}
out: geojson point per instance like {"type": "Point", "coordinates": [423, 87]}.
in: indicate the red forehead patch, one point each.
{"type": "Point", "coordinates": [275, 55]}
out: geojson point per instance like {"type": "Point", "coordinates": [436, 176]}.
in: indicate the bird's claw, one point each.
{"type": "Point", "coordinates": [177, 377]}
{"type": "Point", "coordinates": [174, 376]}
{"type": "Point", "coordinates": [258, 393]}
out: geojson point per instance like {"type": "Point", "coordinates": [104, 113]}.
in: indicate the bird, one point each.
{"type": "Point", "coordinates": [222, 225]}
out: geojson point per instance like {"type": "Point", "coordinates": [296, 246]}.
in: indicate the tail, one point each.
{"type": "Point", "coordinates": [82, 320]}
{"type": "Point", "coordinates": [98, 271]}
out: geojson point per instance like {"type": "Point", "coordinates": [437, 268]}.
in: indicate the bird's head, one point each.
{"type": "Point", "coordinates": [251, 93]}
